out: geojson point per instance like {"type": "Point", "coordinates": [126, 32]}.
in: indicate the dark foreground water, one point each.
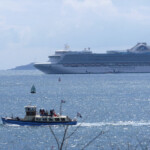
{"type": "Point", "coordinates": [117, 104]}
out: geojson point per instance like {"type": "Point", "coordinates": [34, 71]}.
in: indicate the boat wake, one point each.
{"type": "Point", "coordinates": [119, 123]}
{"type": "Point", "coordinates": [11, 125]}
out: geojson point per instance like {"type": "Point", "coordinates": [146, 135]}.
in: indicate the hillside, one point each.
{"type": "Point", "coordinates": [25, 67]}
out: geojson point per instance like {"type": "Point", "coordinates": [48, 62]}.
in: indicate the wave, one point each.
{"type": "Point", "coordinates": [13, 125]}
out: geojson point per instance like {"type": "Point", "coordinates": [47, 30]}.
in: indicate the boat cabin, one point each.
{"type": "Point", "coordinates": [43, 115]}
{"type": "Point", "coordinates": [52, 119]}
{"type": "Point", "coordinates": [30, 110]}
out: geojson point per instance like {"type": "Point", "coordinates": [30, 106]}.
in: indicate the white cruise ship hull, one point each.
{"type": "Point", "coordinates": [61, 69]}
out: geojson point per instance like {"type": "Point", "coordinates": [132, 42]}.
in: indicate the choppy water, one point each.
{"type": "Point", "coordinates": [117, 104]}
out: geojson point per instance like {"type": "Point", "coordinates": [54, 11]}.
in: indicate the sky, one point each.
{"type": "Point", "coordinates": [31, 30]}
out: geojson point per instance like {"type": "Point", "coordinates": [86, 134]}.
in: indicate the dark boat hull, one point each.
{"type": "Point", "coordinates": [34, 123]}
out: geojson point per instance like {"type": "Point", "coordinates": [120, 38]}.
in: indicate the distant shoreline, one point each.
{"type": "Point", "coordinates": [25, 67]}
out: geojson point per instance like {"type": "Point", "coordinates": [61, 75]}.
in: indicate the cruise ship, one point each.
{"type": "Point", "coordinates": [134, 60]}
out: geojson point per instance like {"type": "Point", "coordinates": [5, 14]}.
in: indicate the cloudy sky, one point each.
{"type": "Point", "coordinates": [31, 30]}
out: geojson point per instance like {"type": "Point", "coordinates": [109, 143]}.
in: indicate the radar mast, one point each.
{"type": "Point", "coordinates": [66, 47]}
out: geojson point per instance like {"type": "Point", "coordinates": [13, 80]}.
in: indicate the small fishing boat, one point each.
{"type": "Point", "coordinates": [32, 118]}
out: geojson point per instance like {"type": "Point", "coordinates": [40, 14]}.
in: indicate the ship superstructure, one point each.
{"type": "Point", "coordinates": [134, 60]}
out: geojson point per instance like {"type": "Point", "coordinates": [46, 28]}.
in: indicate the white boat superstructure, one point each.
{"type": "Point", "coordinates": [134, 60]}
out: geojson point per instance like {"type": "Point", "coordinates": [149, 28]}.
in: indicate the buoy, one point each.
{"type": "Point", "coordinates": [33, 89]}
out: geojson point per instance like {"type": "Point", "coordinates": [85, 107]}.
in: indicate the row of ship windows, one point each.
{"type": "Point", "coordinates": [106, 64]}
{"type": "Point", "coordinates": [50, 119]}
{"type": "Point", "coordinates": [107, 57]}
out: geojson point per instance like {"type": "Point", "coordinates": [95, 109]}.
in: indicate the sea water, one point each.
{"type": "Point", "coordinates": [118, 105]}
